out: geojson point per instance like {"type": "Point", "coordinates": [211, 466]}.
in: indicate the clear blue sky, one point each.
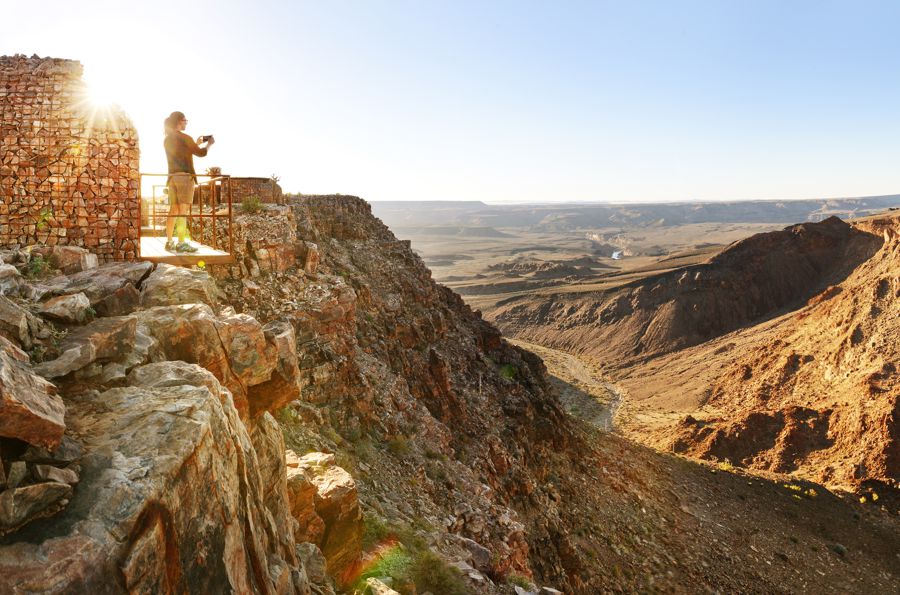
{"type": "Point", "coordinates": [504, 101]}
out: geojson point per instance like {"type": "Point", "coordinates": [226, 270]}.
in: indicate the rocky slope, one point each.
{"type": "Point", "coordinates": [459, 446]}
{"type": "Point", "coordinates": [817, 391]}
{"type": "Point", "coordinates": [398, 363]}
{"type": "Point", "coordinates": [749, 281]}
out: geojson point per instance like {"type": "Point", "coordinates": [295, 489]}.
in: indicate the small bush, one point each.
{"type": "Point", "coordinates": [435, 471]}
{"type": "Point", "coordinates": [37, 267]}
{"type": "Point", "coordinates": [353, 434]}
{"type": "Point", "coordinates": [43, 218]}
{"type": "Point", "coordinates": [37, 353]}
{"type": "Point", "coordinates": [251, 205]}
{"type": "Point", "coordinates": [519, 581]}
{"type": "Point", "coordinates": [395, 563]}
{"type": "Point", "coordinates": [431, 573]}
{"type": "Point", "coordinates": [399, 445]}
{"type": "Point", "coordinates": [375, 531]}
{"type": "Point", "coordinates": [508, 371]}
{"type": "Point", "coordinates": [286, 416]}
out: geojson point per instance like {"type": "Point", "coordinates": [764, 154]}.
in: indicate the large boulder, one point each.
{"type": "Point", "coordinates": [284, 383]}
{"type": "Point", "coordinates": [302, 502]}
{"type": "Point", "coordinates": [171, 285]}
{"type": "Point", "coordinates": [10, 280]}
{"type": "Point", "coordinates": [72, 308]}
{"type": "Point", "coordinates": [336, 502]}
{"type": "Point", "coordinates": [171, 499]}
{"type": "Point", "coordinates": [192, 333]}
{"type": "Point", "coordinates": [234, 347]}
{"type": "Point", "coordinates": [251, 357]}
{"type": "Point", "coordinates": [104, 339]}
{"type": "Point", "coordinates": [97, 284]}
{"type": "Point", "coordinates": [30, 410]}
{"type": "Point", "coordinates": [174, 373]}
{"type": "Point", "coordinates": [68, 259]}
{"type": "Point", "coordinates": [18, 324]}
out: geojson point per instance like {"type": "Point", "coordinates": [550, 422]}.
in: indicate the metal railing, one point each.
{"type": "Point", "coordinates": [212, 202]}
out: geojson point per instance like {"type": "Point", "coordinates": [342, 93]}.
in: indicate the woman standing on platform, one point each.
{"type": "Point", "coordinates": [180, 151]}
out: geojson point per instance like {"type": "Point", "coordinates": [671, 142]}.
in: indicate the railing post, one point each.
{"type": "Point", "coordinates": [212, 202]}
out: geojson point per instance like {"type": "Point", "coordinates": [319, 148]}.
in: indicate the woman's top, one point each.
{"type": "Point", "coordinates": [180, 151]}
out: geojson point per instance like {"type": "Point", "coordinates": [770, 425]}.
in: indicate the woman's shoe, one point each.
{"type": "Point", "coordinates": [185, 247]}
{"type": "Point", "coordinates": [170, 246]}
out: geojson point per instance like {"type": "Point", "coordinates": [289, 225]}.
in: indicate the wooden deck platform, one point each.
{"type": "Point", "coordinates": [154, 250]}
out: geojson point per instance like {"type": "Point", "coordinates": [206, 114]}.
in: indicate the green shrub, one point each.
{"type": "Point", "coordinates": [43, 218]}
{"type": "Point", "coordinates": [394, 562]}
{"type": "Point", "coordinates": [37, 353]}
{"type": "Point", "coordinates": [37, 267]}
{"type": "Point", "coordinates": [399, 445]}
{"type": "Point", "coordinates": [251, 205]}
{"type": "Point", "coordinates": [375, 531]}
{"type": "Point", "coordinates": [431, 573]}
{"type": "Point", "coordinates": [519, 581]}
{"type": "Point", "coordinates": [508, 371]}
{"type": "Point", "coordinates": [435, 471]}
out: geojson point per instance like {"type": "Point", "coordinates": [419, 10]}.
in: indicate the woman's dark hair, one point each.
{"type": "Point", "coordinates": [172, 121]}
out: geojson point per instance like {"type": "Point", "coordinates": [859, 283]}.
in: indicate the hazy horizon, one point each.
{"type": "Point", "coordinates": [588, 202]}
{"type": "Point", "coordinates": [504, 102]}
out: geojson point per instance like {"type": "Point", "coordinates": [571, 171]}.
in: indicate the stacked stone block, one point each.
{"type": "Point", "coordinates": [266, 189]}
{"type": "Point", "coordinates": [69, 170]}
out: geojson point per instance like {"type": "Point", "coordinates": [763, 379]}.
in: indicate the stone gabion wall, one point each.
{"type": "Point", "coordinates": [69, 171]}
{"type": "Point", "coordinates": [262, 188]}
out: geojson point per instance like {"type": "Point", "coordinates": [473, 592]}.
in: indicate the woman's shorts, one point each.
{"type": "Point", "coordinates": [181, 189]}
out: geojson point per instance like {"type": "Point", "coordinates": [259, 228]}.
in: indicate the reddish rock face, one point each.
{"type": "Point", "coordinates": [284, 382]}
{"type": "Point", "coordinates": [162, 467]}
{"type": "Point", "coordinates": [68, 259]}
{"type": "Point", "coordinates": [169, 285]}
{"type": "Point", "coordinates": [310, 258]}
{"type": "Point", "coordinates": [337, 520]}
{"type": "Point", "coordinates": [30, 410]}
{"type": "Point", "coordinates": [102, 340]}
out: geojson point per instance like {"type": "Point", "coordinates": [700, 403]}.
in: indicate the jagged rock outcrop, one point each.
{"type": "Point", "coordinates": [137, 513]}
{"type": "Point", "coordinates": [30, 410]}
{"type": "Point", "coordinates": [465, 469]}
{"type": "Point", "coordinates": [160, 483]}
{"type": "Point", "coordinates": [336, 524]}
{"type": "Point", "coordinates": [169, 284]}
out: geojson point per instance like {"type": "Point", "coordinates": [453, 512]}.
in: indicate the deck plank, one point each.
{"type": "Point", "coordinates": [153, 250]}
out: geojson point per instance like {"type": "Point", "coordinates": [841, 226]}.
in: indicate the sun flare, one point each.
{"type": "Point", "coordinates": [99, 93]}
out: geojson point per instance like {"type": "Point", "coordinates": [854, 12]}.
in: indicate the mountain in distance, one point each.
{"type": "Point", "coordinates": [563, 217]}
